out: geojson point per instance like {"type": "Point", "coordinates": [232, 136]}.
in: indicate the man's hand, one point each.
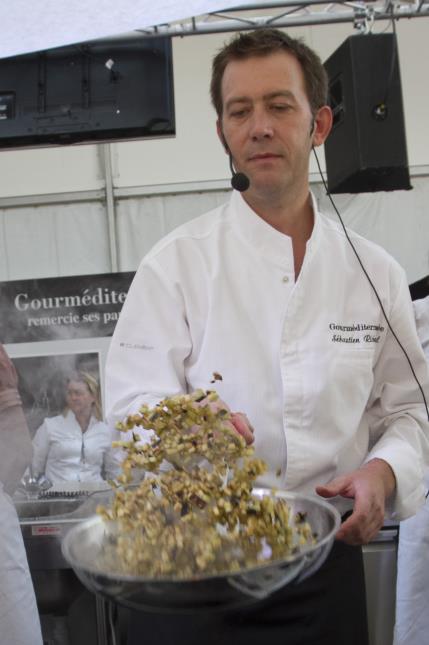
{"type": "Point", "coordinates": [239, 420]}
{"type": "Point", "coordinates": [369, 486]}
{"type": "Point", "coordinates": [242, 424]}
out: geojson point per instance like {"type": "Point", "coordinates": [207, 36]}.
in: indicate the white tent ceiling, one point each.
{"type": "Point", "coordinates": [27, 26]}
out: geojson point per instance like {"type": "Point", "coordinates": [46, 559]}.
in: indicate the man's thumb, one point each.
{"type": "Point", "coordinates": [329, 490]}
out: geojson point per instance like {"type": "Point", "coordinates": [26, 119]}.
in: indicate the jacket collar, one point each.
{"type": "Point", "coordinates": [266, 240]}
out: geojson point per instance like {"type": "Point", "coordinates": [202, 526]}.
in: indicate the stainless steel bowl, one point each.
{"type": "Point", "coordinates": [84, 543]}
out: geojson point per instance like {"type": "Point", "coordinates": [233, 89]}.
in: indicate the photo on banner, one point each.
{"type": "Point", "coordinates": [43, 381]}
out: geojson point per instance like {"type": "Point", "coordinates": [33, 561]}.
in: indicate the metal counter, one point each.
{"type": "Point", "coordinates": [380, 557]}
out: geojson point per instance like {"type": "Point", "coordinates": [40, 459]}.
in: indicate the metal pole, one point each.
{"type": "Point", "coordinates": [110, 205]}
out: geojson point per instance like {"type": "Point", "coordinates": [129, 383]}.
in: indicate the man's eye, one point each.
{"type": "Point", "coordinates": [280, 107]}
{"type": "Point", "coordinates": [238, 113]}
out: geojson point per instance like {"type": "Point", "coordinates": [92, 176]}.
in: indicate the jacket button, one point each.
{"type": "Point", "coordinates": [285, 278]}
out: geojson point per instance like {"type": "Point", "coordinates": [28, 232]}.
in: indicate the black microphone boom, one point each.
{"type": "Point", "coordinates": [239, 181]}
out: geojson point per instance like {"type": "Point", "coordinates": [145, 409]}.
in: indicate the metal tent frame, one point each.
{"type": "Point", "coordinates": [293, 13]}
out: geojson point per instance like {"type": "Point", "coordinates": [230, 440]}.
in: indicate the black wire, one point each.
{"type": "Point", "coordinates": [372, 285]}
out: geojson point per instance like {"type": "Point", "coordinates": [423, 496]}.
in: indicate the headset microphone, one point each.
{"type": "Point", "coordinates": [239, 181]}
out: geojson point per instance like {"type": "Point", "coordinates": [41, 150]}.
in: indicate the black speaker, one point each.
{"type": "Point", "coordinates": [366, 150]}
{"type": "Point", "coordinates": [420, 288]}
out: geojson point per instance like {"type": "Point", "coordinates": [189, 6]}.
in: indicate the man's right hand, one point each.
{"type": "Point", "coordinates": [243, 426]}
{"type": "Point", "coordinates": [239, 420]}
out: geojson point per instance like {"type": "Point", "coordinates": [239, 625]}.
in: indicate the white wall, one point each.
{"type": "Point", "coordinates": [49, 170]}
{"type": "Point", "coordinates": [195, 154]}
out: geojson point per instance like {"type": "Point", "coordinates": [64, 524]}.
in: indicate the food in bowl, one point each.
{"type": "Point", "coordinates": [194, 513]}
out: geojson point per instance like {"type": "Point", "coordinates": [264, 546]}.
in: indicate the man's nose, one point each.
{"type": "Point", "coordinates": [261, 125]}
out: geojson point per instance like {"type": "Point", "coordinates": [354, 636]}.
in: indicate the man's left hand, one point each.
{"type": "Point", "coordinates": [243, 426]}
{"type": "Point", "coordinates": [369, 486]}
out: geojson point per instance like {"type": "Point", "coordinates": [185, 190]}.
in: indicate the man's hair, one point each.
{"type": "Point", "coordinates": [263, 42]}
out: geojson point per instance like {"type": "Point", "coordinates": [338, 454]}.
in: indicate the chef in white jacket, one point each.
{"type": "Point", "coordinates": [19, 619]}
{"type": "Point", "coordinates": [267, 291]}
{"type": "Point", "coordinates": [412, 597]}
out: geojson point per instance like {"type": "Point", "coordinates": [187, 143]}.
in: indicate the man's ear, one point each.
{"type": "Point", "coordinates": [221, 136]}
{"type": "Point", "coordinates": [322, 125]}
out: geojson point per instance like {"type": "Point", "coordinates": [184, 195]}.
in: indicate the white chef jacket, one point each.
{"type": "Point", "coordinates": [412, 588]}
{"type": "Point", "coordinates": [19, 618]}
{"type": "Point", "coordinates": [64, 453]}
{"type": "Point", "coordinates": [421, 312]}
{"type": "Point", "coordinates": [311, 362]}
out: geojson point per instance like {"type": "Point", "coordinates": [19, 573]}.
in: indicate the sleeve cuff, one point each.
{"type": "Point", "coordinates": [410, 490]}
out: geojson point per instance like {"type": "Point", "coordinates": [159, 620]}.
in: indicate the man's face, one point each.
{"type": "Point", "coordinates": [267, 123]}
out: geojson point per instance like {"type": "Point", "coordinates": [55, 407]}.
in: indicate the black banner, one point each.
{"type": "Point", "coordinates": [62, 308]}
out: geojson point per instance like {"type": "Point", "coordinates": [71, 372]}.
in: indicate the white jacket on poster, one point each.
{"type": "Point", "coordinates": [412, 588]}
{"type": "Point", "coordinates": [312, 363]}
{"type": "Point", "coordinates": [19, 618]}
{"type": "Point", "coordinates": [66, 454]}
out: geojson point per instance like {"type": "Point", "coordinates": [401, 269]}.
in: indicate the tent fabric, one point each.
{"type": "Point", "coordinates": [53, 240]}
{"type": "Point", "coordinates": [27, 26]}
{"type": "Point", "coordinates": [72, 239]}
{"type": "Point", "coordinates": [397, 220]}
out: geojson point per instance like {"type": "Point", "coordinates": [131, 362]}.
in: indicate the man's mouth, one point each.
{"type": "Point", "coordinates": [264, 156]}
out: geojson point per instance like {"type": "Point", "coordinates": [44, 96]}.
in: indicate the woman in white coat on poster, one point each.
{"type": "Point", "coordinates": [19, 619]}
{"type": "Point", "coordinates": [412, 600]}
{"type": "Point", "coordinates": [76, 446]}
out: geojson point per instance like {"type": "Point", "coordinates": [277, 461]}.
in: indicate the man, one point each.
{"type": "Point", "coordinates": [19, 619]}
{"type": "Point", "coordinates": [268, 292]}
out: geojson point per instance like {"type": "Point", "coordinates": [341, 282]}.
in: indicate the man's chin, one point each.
{"type": "Point", "coordinates": [267, 185]}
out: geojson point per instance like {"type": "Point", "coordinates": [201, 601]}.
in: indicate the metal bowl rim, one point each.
{"type": "Point", "coordinates": [96, 520]}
